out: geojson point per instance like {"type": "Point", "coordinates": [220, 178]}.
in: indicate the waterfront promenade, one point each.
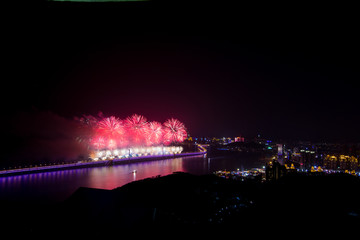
{"type": "Point", "coordinates": [92, 163]}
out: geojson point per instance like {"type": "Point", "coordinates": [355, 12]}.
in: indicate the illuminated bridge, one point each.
{"type": "Point", "coordinates": [132, 155]}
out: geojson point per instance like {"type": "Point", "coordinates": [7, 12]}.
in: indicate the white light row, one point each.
{"type": "Point", "coordinates": [137, 152]}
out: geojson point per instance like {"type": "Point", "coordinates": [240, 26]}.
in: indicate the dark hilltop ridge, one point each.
{"type": "Point", "coordinates": [183, 203]}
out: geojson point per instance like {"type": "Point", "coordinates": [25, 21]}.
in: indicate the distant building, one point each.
{"type": "Point", "coordinates": [341, 162]}
{"type": "Point", "coordinates": [348, 163]}
{"type": "Point", "coordinates": [330, 162]}
{"type": "Point", "coordinates": [274, 170]}
{"type": "Point", "coordinates": [280, 153]}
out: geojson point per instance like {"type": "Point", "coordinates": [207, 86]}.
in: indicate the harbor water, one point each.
{"type": "Point", "coordinates": [56, 186]}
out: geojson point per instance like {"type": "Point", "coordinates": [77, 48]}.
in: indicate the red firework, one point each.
{"type": "Point", "coordinates": [136, 122]}
{"type": "Point", "coordinates": [154, 133]}
{"type": "Point", "coordinates": [112, 144]}
{"type": "Point", "coordinates": [111, 132]}
{"type": "Point", "coordinates": [137, 125]}
{"type": "Point", "coordinates": [174, 131]}
{"type": "Point", "coordinates": [111, 127]}
{"type": "Point", "coordinates": [98, 142]}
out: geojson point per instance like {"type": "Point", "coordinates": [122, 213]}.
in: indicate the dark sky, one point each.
{"type": "Point", "coordinates": [285, 72]}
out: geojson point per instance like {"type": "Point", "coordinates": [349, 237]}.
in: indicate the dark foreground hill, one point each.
{"type": "Point", "coordinates": [187, 204]}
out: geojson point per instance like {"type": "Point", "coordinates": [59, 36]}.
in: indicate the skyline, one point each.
{"type": "Point", "coordinates": [220, 76]}
{"type": "Point", "coordinates": [145, 116]}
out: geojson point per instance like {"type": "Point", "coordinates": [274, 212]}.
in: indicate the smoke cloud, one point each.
{"type": "Point", "coordinates": [41, 137]}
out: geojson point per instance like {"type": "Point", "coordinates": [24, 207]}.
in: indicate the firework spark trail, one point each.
{"type": "Point", "coordinates": [98, 142]}
{"type": "Point", "coordinates": [137, 125]}
{"type": "Point", "coordinates": [111, 127]}
{"type": "Point", "coordinates": [154, 133]}
{"type": "Point", "coordinates": [111, 132]}
{"type": "Point", "coordinates": [174, 131]}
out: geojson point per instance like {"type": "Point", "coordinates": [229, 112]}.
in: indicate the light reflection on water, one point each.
{"type": "Point", "coordinates": [59, 185]}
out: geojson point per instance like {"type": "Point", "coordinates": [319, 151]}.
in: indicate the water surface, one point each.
{"type": "Point", "coordinates": [47, 187]}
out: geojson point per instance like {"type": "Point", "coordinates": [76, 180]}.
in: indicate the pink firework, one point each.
{"type": "Point", "coordinates": [137, 125]}
{"type": "Point", "coordinates": [112, 144]}
{"type": "Point", "coordinates": [111, 127]}
{"type": "Point", "coordinates": [136, 122]}
{"type": "Point", "coordinates": [110, 132]}
{"type": "Point", "coordinates": [174, 131]}
{"type": "Point", "coordinates": [154, 133]}
{"type": "Point", "coordinates": [98, 142]}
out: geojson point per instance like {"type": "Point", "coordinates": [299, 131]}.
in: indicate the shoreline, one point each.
{"type": "Point", "coordinates": [118, 161]}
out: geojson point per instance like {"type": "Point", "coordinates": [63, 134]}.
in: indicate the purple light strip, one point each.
{"type": "Point", "coordinates": [100, 163]}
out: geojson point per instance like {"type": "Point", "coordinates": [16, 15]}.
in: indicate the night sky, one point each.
{"type": "Point", "coordinates": [285, 72]}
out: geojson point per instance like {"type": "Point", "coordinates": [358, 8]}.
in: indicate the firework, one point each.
{"type": "Point", "coordinates": [98, 142]}
{"type": "Point", "coordinates": [111, 127]}
{"type": "Point", "coordinates": [174, 131]}
{"type": "Point", "coordinates": [112, 130]}
{"type": "Point", "coordinates": [154, 133]}
{"type": "Point", "coordinates": [137, 125]}
{"type": "Point", "coordinates": [111, 144]}
{"type": "Point", "coordinates": [110, 133]}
